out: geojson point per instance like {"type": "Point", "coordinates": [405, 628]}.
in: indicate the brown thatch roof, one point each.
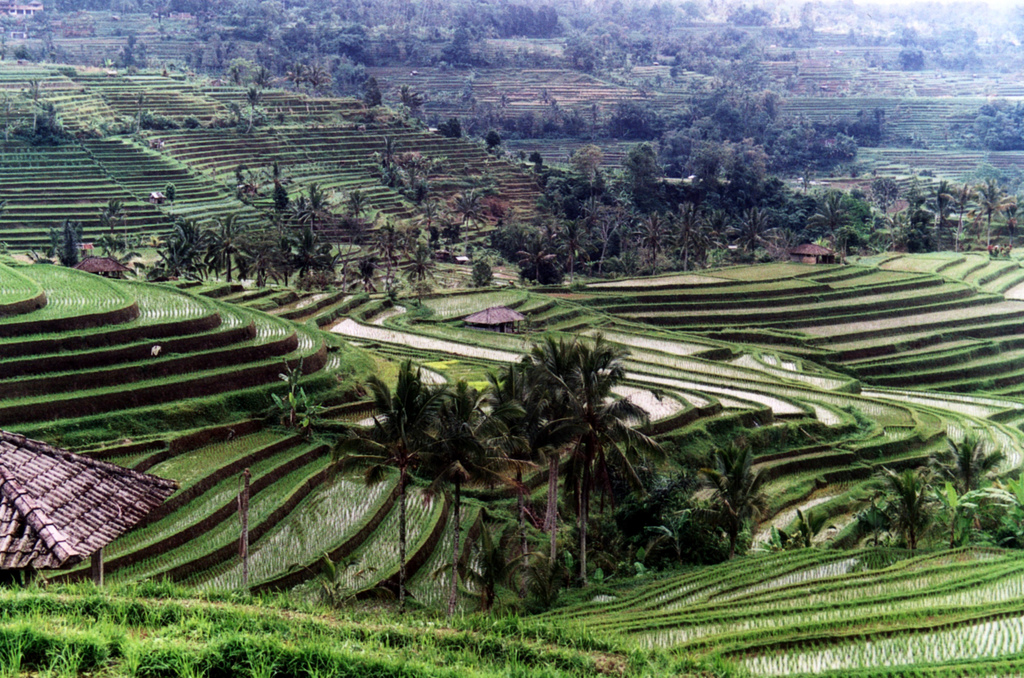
{"type": "Point", "coordinates": [495, 315]}
{"type": "Point", "coordinates": [100, 265]}
{"type": "Point", "coordinates": [58, 508]}
{"type": "Point", "coordinates": [811, 250]}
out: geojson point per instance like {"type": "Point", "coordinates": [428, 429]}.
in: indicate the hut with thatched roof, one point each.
{"type": "Point", "coordinates": [58, 508]}
{"type": "Point", "coordinates": [812, 254]}
{"type": "Point", "coordinates": [496, 319]}
{"type": "Point", "coordinates": [105, 266]}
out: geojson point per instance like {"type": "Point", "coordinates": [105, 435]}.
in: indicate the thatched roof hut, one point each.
{"type": "Point", "coordinates": [496, 319]}
{"type": "Point", "coordinates": [809, 253]}
{"type": "Point", "coordinates": [58, 508]}
{"type": "Point", "coordinates": [105, 266]}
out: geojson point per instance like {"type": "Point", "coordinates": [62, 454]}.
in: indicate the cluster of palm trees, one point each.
{"type": "Point", "coordinates": [688, 238]}
{"type": "Point", "coordinates": [972, 206]}
{"type": "Point", "coordinates": [684, 239]}
{"type": "Point", "coordinates": [957, 484]}
{"type": "Point", "coordinates": [315, 76]}
{"type": "Point", "coordinates": [230, 246]}
{"type": "Point", "coordinates": [554, 409]}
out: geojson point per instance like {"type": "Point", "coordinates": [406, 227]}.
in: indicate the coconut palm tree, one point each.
{"type": "Point", "coordinates": [893, 232]}
{"type": "Point", "coordinates": [653, 234]}
{"type": "Point", "coordinates": [490, 565]}
{"type": "Point", "coordinates": [549, 368]}
{"type": "Point", "coordinates": [367, 270]}
{"type": "Point", "coordinates": [430, 211]}
{"type": "Point", "coordinates": [1011, 211]}
{"type": "Point", "coordinates": [388, 153]}
{"type": "Point", "coordinates": [7, 106]}
{"type": "Point", "coordinates": [421, 270]}
{"type": "Point", "coordinates": [910, 505]}
{"type": "Point", "coordinates": [318, 78]}
{"type": "Point", "coordinates": [607, 427]}
{"type": "Point", "coordinates": [296, 74]}
{"type": "Point", "coordinates": [356, 200]}
{"type": "Point", "coordinates": [581, 377]}
{"type": "Point", "coordinates": [687, 224]}
{"type": "Point", "coordinates": [183, 250]}
{"type": "Point", "coordinates": [942, 204]}
{"type": "Point", "coordinates": [573, 245]}
{"type": "Point", "coordinates": [752, 229]}
{"type": "Point", "coordinates": [609, 223]}
{"type": "Point", "coordinates": [140, 100]}
{"type": "Point", "coordinates": [309, 253]}
{"type": "Point", "coordinates": [410, 99]}
{"type": "Point", "coordinates": [122, 249]}
{"type": "Point", "coordinates": [253, 96]}
{"type": "Point", "coordinates": [830, 216]}
{"type": "Point", "coordinates": [967, 463]}
{"type": "Point", "coordinates": [536, 262]}
{"type": "Point", "coordinates": [262, 77]}
{"type": "Point", "coordinates": [389, 244]}
{"type": "Point", "coordinates": [404, 429]}
{"type": "Point", "coordinates": [739, 495]}
{"type": "Point", "coordinates": [962, 198]}
{"type": "Point", "coordinates": [313, 208]}
{"type": "Point", "coordinates": [261, 259]}
{"type": "Point", "coordinates": [226, 242]}
{"type": "Point", "coordinates": [535, 435]}
{"type": "Point", "coordinates": [463, 453]}
{"type": "Point", "coordinates": [112, 214]}
{"type": "Point", "coordinates": [992, 200]}
{"type": "Point", "coordinates": [469, 207]}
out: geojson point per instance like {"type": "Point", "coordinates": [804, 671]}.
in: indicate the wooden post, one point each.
{"type": "Point", "coordinates": [243, 510]}
{"type": "Point", "coordinates": [96, 568]}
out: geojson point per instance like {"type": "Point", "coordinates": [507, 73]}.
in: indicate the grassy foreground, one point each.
{"type": "Point", "coordinates": [158, 630]}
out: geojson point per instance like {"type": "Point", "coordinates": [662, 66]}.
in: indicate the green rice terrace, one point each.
{"type": "Point", "coordinates": [831, 372]}
{"type": "Point", "coordinates": [332, 143]}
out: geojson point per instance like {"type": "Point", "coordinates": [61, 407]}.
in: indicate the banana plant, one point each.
{"type": "Point", "coordinates": [298, 410]}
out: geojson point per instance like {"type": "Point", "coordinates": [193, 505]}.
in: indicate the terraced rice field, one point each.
{"type": "Point", "coordinates": [872, 612]}
{"type": "Point", "coordinates": [687, 378]}
{"type": "Point", "coordinates": [835, 416]}
{"type": "Point", "coordinates": [324, 141]}
{"type": "Point", "coordinates": [99, 347]}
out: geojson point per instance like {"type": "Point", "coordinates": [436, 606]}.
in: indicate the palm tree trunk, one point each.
{"type": "Point", "coordinates": [551, 518]}
{"type": "Point", "coordinates": [584, 514]}
{"type": "Point", "coordinates": [401, 540]}
{"type": "Point", "coordinates": [521, 508]}
{"type": "Point", "coordinates": [453, 594]}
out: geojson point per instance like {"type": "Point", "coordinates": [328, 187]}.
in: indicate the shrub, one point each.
{"type": "Point", "coordinates": [483, 276]}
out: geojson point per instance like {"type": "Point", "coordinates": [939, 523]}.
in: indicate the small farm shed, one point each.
{"type": "Point", "coordinates": [812, 254]}
{"type": "Point", "coordinates": [497, 319]}
{"type": "Point", "coordinates": [58, 508]}
{"type": "Point", "coordinates": [105, 266]}
{"type": "Point", "coordinates": [157, 198]}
